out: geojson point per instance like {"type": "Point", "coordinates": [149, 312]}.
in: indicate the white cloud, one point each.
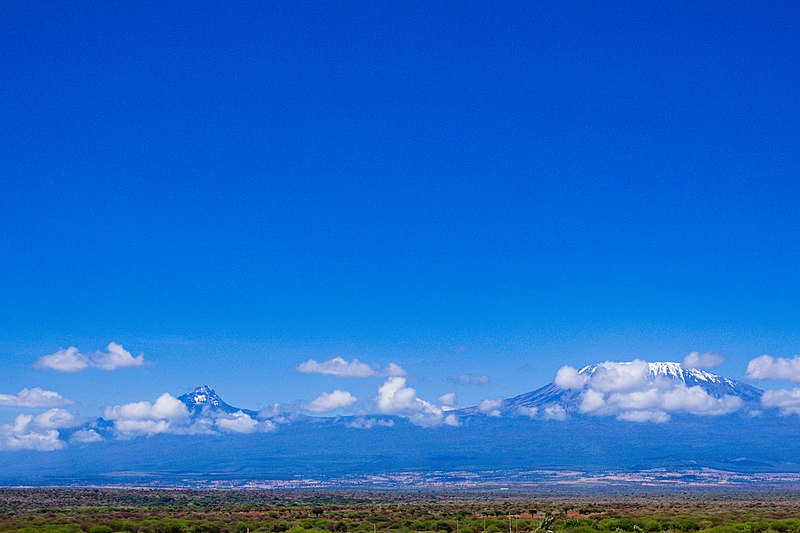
{"type": "Point", "coordinates": [702, 360]}
{"type": "Point", "coordinates": [166, 415]}
{"type": "Point", "coordinates": [166, 407]}
{"type": "Point", "coordinates": [568, 377]}
{"type": "Point", "coordinates": [469, 379]}
{"type": "Point", "coordinates": [448, 400]}
{"type": "Point", "coordinates": [592, 401]}
{"type": "Point", "coordinates": [242, 423]}
{"type": "Point", "coordinates": [551, 411]}
{"type": "Point", "coordinates": [169, 415]}
{"type": "Point", "coordinates": [71, 360]}
{"type": "Point", "coordinates": [330, 401]}
{"type": "Point", "coordinates": [85, 436]}
{"type": "Point", "coordinates": [115, 357]}
{"type": "Point", "coordinates": [697, 401]}
{"type": "Point", "coordinates": [451, 420]}
{"type": "Point", "coordinates": [658, 417]}
{"type": "Point", "coordinates": [554, 412]}
{"type": "Point", "coordinates": [56, 419]}
{"type": "Point", "coordinates": [396, 398]}
{"type": "Point", "coordinates": [64, 360]}
{"type": "Point", "coordinates": [34, 397]}
{"type": "Point", "coordinates": [394, 370]}
{"type": "Point", "coordinates": [610, 376]}
{"type": "Point", "coordinates": [787, 400]}
{"type": "Point", "coordinates": [272, 411]}
{"type": "Point", "coordinates": [775, 368]}
{"type": "Point", "coordinates": [490, 407]}
{"type": "Point", "coordinates": [629, 392]}
{"type": "Point", "coordinates": [338, 366]}
{"type": "Point", "coordinates": [24, 435]}
{"type": "Point", "coordinates": [368, 423]}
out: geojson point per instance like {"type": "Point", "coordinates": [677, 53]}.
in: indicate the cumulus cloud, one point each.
{"type": "Point", "coordinates": [469, 379]}
{"type": "Point", "coordinates": [451, 420]}
{"type": "Point", "coordinates": [368, 423]}
{"type": "Point", "coordinates": [24, 434]}
{"type": "Point", "coordinates": [551, 411]}
{"type": "Point", "coordinates": [696, 401]}
{"type": "Point", "coordinates": [617, 377]}
{"type": "Point", "coordinates": [116, 357]}
{"type": "Point", "coordinates": [396, 398]}
{"type": "Point", "coordinates": [703, 360]}
{"type": "Point", "coordinates": [330, 401]}
{"type": "Point", "coordinates": [554, 412]}
{"type": "Point", "coordinates": [166, 407]}
{"type": "Point", "coordinates": [338, 366]}
{"type": "Point", "coordinates": [490, 407]}
{"type": "Point", "coordinates": [64, 360]}
{"type": "Point", "coordinates": [448, 400]}
{"type": "Point", "coordinates": [85, 436]}
{"type": "Point", "coordinates": [170, 416]}
{"type": "Point", "coordinates": [568, 377]}
{"type": "Point", "coordinates": [56, 419]}
{"type": "Point", "coordinates": [166, 415]}
{"type": "Point", "coordinates": [787, 400]}
{"type": "Point", "coordinates": [774, 368]}
{"type": "Point", "coordinates": [630, 392]}
{"type": "Point", "coordinates": [34, 397]}
{"type": "Point", "coordinates": [658, 417]}
{"type": "Point", "coordinates": [241, 422]}
{"type": "Point", "coordinates": [72, 360]}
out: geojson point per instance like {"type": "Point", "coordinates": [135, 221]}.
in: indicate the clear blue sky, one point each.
{"type": "Point", "coordinates": [485, 188]}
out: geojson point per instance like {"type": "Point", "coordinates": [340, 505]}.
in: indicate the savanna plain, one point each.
{"type": "Point", "coordinates": [174, 511]}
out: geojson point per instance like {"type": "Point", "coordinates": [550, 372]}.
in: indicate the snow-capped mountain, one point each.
{"type": "Point", "coordinates": [550, 428]}
{"type": "Point", "coordinates": [204, 399]}
{"type": "Point", "coordinates": [658, 375]}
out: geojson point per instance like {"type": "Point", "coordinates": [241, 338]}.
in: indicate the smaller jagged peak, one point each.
{"type": "Point", "coordinates": [204, 399]}
{"type": "Point", "coordinates": [205, 395]}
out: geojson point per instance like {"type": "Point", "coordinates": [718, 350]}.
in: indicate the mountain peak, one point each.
{"type": "Point", "coordinates": [669, 370]}
{"type": "Point", "coordinates": [654, 377]}
{"type": "Point", "coordinates": [205, 395]}
{"type": "Point", "coordinates": [204, 398]}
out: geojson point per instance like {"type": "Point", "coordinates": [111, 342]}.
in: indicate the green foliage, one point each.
{"type": "Point", "coordinates": [95, 511]}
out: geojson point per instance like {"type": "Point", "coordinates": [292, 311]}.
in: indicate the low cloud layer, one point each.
{"type": "Point", "coordinates": [553, 411]}
{"type": "Point", "coordinates": [628, 392]}
{"type": "Point", "coordinates": [331, 401]}
{"type": "Point", "coordinates": [490, 407]}
{"type": "Point", "coordinates": [767, 367]}
{"type": "Point", "coordinates": [34, 397]}
{"type": "Point", "coordinates": [338, 366]}
{"type": "Point", "coordinates": [72, 360]}
{"type": "Point", "coordinates": [26, 433]}
{"type": "Point", "coordinates": [786, 400]}
{"type": "Point", "coordinates": [703, 360]}
{"type": "Point", "coordinates": [366, 422]}
{"type": "Point", "coordinates": [397, 398]}
{"type": "Point", "coordinates": [168, 415]}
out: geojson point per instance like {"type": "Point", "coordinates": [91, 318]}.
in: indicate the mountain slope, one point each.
{"type": "Point", "coordinates": [658, 375]}
{"type": "Point", "coordinates": [204, 400]}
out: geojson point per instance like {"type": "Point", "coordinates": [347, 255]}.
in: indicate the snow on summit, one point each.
{"type": "Point", "coordinates": [634, 391]}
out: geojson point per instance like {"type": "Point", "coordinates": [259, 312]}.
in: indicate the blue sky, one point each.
{"type": "Point", "coordinates": [481, 189]}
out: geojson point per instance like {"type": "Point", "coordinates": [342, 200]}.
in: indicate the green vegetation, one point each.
{"type": "Point", "coordinates": [174, 511]}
